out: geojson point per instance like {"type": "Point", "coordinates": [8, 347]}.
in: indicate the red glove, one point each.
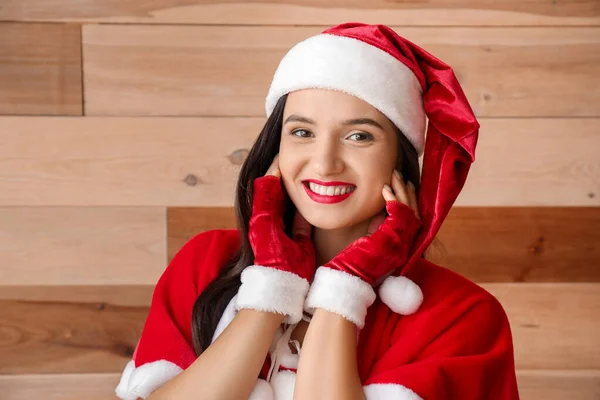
{"type": "Point", "coordinates": [283, 266]}
{"type": "Point", "coordinates": [344, 284]}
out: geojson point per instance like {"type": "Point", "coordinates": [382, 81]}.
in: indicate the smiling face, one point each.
{"type": "Point", "coordinates": [332, 137]}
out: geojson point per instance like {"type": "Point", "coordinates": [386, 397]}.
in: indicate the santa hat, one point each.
{"type": "Point", "coordinates": [406, 84]}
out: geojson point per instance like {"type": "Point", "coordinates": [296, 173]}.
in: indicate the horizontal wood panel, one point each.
{"type": "Point", "coordinates": [67, 336]}
{"type": "Point", "coordinates": [122, 161]}
{"type": "Point", "coordinates": [79, 246]}
{"type": "Point", "coordinates": [554, 161]}
{"type": "Point", "coordinates": [226, 71]}
{"type": "Point", "coordinates": [558, 385]}
{"type": "Point", "coordinates": [493, 244]}
{"type": "Point", "coordinates": [435, 12]}
{"type": "Point", "coordinates": [40, 69]}
{"type": "Point", "coordinates": [60, 386]}
{"type": "Point", "coordinates": [169, 161]}
{"type": "Point", "coordinates": [554, 327]}
{"type": "Point", "coordinates": [533, 385]}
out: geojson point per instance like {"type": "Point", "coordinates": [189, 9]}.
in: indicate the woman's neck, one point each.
{"type": "Point", "coordinates": [329, 242]}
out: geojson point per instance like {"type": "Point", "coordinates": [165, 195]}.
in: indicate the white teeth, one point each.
{"type": "Point", "coordinates": [330, 190]}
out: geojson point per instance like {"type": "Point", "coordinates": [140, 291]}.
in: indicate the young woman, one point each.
{"type": "Point", "coordinates": [323, 291]}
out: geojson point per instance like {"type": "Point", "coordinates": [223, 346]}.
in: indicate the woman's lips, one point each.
{"type": "Point", "coordinates": [319, 198]}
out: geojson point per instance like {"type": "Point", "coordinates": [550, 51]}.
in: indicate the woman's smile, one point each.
{"type": "Point", "coordinates": [329, 193]}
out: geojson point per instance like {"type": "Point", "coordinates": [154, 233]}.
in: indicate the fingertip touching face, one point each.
{"type": "Point", "coordinates": [329, 137]}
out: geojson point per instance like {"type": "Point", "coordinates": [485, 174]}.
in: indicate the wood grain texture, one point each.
{"type": "Point", "coordinates": [68, 336]}
{"type": "Point", "coordinates": [183, 223]}
{"type": "Point", "coordinates": [194, 162]}
{"type": "Point", "coordinates": [554, 327]}
{"type": "Point", "coordinates": [122, 161]}
{"type": "Point", "coordinates": [559, 385]}
{"type": "Point", "coordinates": [522, 244]}
{"type": "Point", "coordinates": [60, 386]}
{"type": "Point", "coordinates": [310, 12]}
{"type": "Point", "coordinates": [226, 71]}
{"type": "Point", "coordinates": [533, 385]}
{"type": "Point", "coordinates": [40, 69]}
{"type": "Point", "coordinates": [81, 246]}
{"type": "Point", "coordinates": [486, 244]}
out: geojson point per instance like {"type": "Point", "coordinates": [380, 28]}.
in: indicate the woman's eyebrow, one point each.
{"type": "Point", "coordinates": [355, 121]}
{"type": "Point", "coordinates": [363, 121]}
{"type": "Point", "coordinates": [299, 118]}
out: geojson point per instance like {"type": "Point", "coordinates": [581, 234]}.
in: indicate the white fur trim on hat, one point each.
{"type": "Point", "coordinates": [340, 293]}
{"type": "Point", "coordinates": [140, 382]}
{"type": "Point", "coordinates": [387, 391]}
{"type": "Point", "coordinates": [355, 67]}
{"type": "Point", "coordinates": [270, 289]}
{"type": "Point", "coordinates": [401, 295]}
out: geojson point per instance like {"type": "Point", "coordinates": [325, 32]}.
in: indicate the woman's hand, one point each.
{"type": "Point", "coordinates": [344, 285]}
{"type": "Point", "coordinates": [272, 247]}
{"type": "Point", "coordinates": [399, 192]}
{"type": "Point", "coordinates": [283, 267]}
{"type": "Point", "coordinates": [373, 257]}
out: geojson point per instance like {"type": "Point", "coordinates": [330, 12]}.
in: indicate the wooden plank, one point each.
{"type": "Point", "coordinates": [533, 385]}
{"type": "Point", "coordinates": [181, 162]}
{"type": "Point", "coordinates": [482, 244]}
{"type": "Point", "coordinates": [299, 12]}
{"type": "Point", "coordinates": [522, 244]}
{"type": "Point", "coordinates": [226, 71]}
{"type": "Point", "coordinates": [60, 386]}
{"type": "Point", "coordinates": [82, 246]}
{"type": "Point", "coordinates": [559, 385]}
{"type": "Point", "coordinates": [513, 163]}
{"type": "Point", "coordinates": [183, 223]}
{"type": "Point", "coordinates": [71, 328]}
{"type": "Point", "coordinates": [99, 296]}
{"type": "Point", "coordinates": [122, 161]}
{"type": "Point", "coordinates": [554, 327]}
{"type": "Point", "coordinates": [40, 68]}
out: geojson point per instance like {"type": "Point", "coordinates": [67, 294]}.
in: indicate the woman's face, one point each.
{"type": "Point", "coordinates": [330, 136]}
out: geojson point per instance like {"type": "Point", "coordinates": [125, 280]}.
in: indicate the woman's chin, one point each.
{"type": "Point", "coordinates": [329, 223]}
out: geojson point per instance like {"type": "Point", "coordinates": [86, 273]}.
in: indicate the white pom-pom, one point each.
{"type": "Point", "coordinates": [401, 295]}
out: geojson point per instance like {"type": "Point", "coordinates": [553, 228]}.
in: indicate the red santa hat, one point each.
{"type": "Point", "coordinates": [408, 85]}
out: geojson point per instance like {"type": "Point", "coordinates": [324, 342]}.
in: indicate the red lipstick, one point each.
{"type": "Point", "coordinates": [319, 198]}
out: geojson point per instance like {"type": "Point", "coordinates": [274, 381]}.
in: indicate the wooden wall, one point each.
{"type": "Point", "coordinates": [123, 125]}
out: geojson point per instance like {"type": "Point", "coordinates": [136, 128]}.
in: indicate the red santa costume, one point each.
{"type": "Point", "coordinates": [429, 333]}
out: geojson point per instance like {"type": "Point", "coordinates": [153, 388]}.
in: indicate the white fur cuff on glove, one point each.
{"type": "Point", "coordinates": [273, 290]}
{"type": "Point", "coordinates": [340, 293]}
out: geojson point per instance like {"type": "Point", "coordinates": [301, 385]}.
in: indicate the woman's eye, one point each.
{"type": "Point", "coordinates": [368, 137]}
{"type": "Point", "coordinates": [299, 130]}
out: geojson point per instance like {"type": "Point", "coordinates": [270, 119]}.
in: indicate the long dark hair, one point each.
{"type": "Point", "coordinates": [213, 300]}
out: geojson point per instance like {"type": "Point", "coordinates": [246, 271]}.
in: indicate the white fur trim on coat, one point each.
{"type": "Point", "coordinates": [283, 384]}
{"type": "Point", "coordinates": [142, 381]}
{"type": "Point", "coordinates": [389, 391]}
{"type": "Point", "coordinates": [273, 290]}
{"type": "Point", "coordinates": [262, 391]}
{"type": "Point", "coordinates": [355, 67]}
{"type": "Point", "coordinates": [340, 293]}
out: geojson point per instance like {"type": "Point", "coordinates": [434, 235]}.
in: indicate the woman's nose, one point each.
{"type": "Point", "coordinates": [326, 158]}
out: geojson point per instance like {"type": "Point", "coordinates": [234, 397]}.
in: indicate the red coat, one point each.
{"type": "Point", "coordinates": [457, 345]}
